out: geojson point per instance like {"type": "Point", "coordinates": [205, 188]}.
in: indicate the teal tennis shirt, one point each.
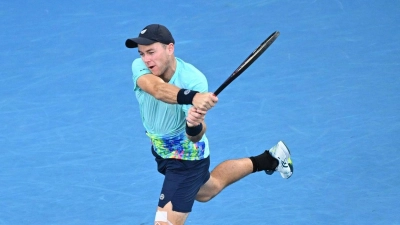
{"type": "Point", "coordinates": [165, 123]}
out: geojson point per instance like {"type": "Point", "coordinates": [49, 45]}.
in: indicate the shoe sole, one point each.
{"type": "Point", "coordinates": [290, 163]}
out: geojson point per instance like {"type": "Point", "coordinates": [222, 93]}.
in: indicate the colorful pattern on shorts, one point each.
{"type": "Point", "coordinates": [177, 147]}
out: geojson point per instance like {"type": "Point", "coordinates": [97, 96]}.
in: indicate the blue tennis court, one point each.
{"type": "Point", "coordinates": [73, 149]}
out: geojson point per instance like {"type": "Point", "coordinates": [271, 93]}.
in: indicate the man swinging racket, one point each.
{"type": "Point", "coordinates": [173, 100]}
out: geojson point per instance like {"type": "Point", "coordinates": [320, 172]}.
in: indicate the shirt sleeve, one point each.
{"type": "Point", "coordinates": [138, 69]}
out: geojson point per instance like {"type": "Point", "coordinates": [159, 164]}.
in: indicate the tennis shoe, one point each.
{"type": "Point", "coordinates": [285, 165]}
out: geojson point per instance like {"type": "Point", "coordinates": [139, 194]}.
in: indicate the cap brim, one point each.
{"type": "Point", "coordinates": [134, 42]}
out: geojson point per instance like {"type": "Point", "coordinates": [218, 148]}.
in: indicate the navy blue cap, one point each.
{"type": "Point", "coordinates": [151, 34]}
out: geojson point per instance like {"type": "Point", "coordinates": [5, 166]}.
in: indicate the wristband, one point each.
{"type": "Point", "coordinates": [185, 96]}
{"type": "Point", "coordinates": [194, 131]}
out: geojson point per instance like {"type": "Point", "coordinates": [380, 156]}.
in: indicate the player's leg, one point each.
{"type": "Point", "coordinates": [223, 175]}
{"type": "Point", "coordinates": [228, 172]}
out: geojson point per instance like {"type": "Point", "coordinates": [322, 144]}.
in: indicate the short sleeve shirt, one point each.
{"type": "Point", "coordinates": [165, 123]}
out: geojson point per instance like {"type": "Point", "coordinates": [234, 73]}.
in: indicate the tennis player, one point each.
{"type": "Point", "coordinates": [173, 99]}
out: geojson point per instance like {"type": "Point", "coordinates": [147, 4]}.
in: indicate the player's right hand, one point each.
{"type": "Point", "coordinates": [204, 101]}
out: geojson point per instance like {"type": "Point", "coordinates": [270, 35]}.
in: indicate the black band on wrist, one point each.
{"type": "Point", "coordinates": [185, 96]}
{"type": "Point", "coordinates": [194, 131]}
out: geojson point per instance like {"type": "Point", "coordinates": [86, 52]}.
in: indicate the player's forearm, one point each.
{"type": "Point", "coordinates": [159, 89]}
{"type": "Point", "coordinates": [166, 92]}
{"type": "Point", "coordinates": [174, 95]}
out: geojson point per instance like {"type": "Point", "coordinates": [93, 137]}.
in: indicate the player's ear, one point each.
{"type": "Point", "coordinates": [170, 48]}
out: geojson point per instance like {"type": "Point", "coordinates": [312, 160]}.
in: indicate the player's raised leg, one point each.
{"type": "Point", "coordinates": [230, 171]}
{"type": "Point", "coordinates": [223, 175]}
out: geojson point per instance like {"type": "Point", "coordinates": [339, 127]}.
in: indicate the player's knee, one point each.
{"type": "Point", "coordinates": [211, 189]}
{"type": "Point", "coordinates": [206, 196]}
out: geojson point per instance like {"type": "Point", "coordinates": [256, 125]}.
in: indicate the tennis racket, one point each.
{"type": "Point", "coordinates": [250, 59]}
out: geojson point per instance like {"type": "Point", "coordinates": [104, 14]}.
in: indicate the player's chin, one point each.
{"type": "Point", "coordinates": [155, 72]}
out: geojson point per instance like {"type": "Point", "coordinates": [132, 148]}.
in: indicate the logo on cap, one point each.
{"type": "Point", "coordinates": [143, 31]}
